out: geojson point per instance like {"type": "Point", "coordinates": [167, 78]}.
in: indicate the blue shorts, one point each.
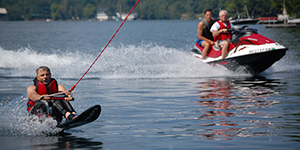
{"type": "Point", "coordinates": [199, 42]}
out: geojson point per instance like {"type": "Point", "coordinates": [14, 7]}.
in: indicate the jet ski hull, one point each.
{"type": "Point", "coordinates": [252, 63]}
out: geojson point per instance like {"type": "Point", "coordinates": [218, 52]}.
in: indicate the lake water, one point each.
{"type": "Point", "coordinates": [154, 94]}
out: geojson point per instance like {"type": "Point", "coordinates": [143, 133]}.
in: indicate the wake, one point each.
{"type": "Point", "coordinates": [123, 61]}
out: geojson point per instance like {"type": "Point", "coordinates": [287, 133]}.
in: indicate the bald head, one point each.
{"type": "Point", "coordinates": [43, 68]}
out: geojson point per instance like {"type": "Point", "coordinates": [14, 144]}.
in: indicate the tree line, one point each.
{"type": "Point", "coordinates": [146, 9]}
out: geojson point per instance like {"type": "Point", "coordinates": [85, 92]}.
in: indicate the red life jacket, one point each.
{"type": "Point", "coordinates": [223, 36]}
{"type": "Point", "coordinates": [42, 89]}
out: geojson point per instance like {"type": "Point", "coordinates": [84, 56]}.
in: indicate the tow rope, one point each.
{"type": "Point", "coordinates": [104, 47]}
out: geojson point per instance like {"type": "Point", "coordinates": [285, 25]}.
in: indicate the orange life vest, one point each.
{"type": "Point", "coordinates": [223, 36]}
{"type": "Point", "coordinates": [42, 89]}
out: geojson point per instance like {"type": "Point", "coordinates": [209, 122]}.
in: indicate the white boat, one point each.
{"type": "Point", "coordinates": [294, 21]}
{"type": "Point", "coordinates": [240, 20]}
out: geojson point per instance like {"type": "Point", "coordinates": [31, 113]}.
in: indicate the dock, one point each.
{"type": "Point", "coordinates": [284, 25]}
{"type": "Point", "coordinates": [268, 20]}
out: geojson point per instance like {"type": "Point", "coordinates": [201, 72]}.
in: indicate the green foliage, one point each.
{"type": "Point", "coordinates": [146, 9]}
{"type": "Point", "coordinates": [55, 12]}
{"type": "Point", "coordinates": [292, 6]}
{"type": "Point", "coordinates": [89, 10]}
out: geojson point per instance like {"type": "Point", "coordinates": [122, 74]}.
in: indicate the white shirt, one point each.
{"type": "Point", "coordinates": [216, 26]}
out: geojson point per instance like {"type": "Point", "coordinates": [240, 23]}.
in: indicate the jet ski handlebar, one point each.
{"type": "Point", "coordinates": [242, 30]}
{"type": "Point", "coordinates": [236, 30]}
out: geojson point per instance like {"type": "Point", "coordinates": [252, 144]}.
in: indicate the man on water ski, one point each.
{"type": "Point", "coordinates": [45, 85]}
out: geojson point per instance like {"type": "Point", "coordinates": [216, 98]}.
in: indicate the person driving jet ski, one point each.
{"type": "Point", "coordinates": [219, 29]}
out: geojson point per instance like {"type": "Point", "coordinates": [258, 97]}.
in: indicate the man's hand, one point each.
{"type": "Point", "coordinates": [223, 30]}
{"type": "Point", "coordinates": [68, 93]}
{"type": "Point", "coordinates": [69, 98]}
{"type": "Point", "coordinates": [211, 42]}
{"type": "Point", "coordinates": [45, 97]}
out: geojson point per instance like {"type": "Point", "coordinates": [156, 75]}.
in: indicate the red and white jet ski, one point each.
{"type": "Point", "coordinates": [248, 51]}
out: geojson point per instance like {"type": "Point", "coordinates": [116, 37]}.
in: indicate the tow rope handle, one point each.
{"type": "Point", "coordinates": [57, 96]}
{"type": "Point", "coordinates": [105, 46]}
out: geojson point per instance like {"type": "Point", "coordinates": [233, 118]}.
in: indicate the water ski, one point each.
{"type": "Point", "coordinates": [87, 116]}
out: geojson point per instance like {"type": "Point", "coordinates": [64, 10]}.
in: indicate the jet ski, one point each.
{"type": "Point", "coordinates": [248, 51]}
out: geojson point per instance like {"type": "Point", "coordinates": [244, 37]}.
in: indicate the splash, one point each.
{"type": "Point", "coordinates": [284, 65]}
{"type": "Point", "coordinates": [16, 122]}
{"type": "Point", "coordinates": [122, 61]}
